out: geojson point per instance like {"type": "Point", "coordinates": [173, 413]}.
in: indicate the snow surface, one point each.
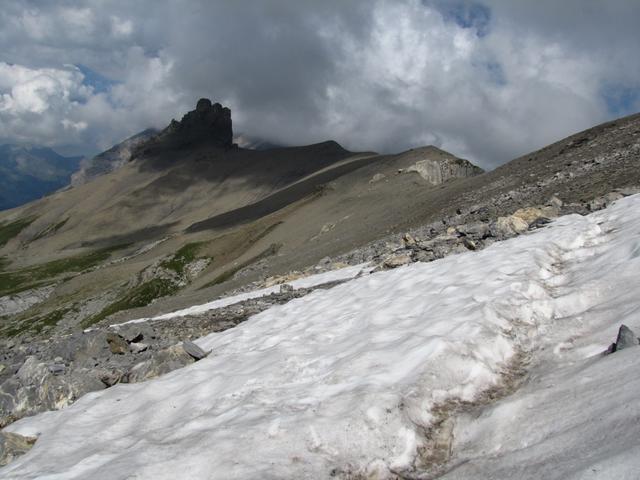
{"type": "Point", "coordinates": [346, 378]}
{"type": "Point", "coordinates": [339, 274]}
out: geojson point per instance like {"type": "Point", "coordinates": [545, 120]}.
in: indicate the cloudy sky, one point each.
{"type": "Point", "coordinates": [487, 80]}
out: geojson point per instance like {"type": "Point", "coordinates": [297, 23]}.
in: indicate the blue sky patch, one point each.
{"type": "Point", "coordinates": [465, 14]}
{"type": "Point", "coordinates": [621, 100]}
{"type": "Point", "coordinates": [99, 83]}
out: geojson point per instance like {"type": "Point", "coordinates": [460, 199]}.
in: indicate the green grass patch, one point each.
{"type": "Point", "coordinates": [228, 274]}
{"type": "Point", "coordinates": [140, 296]}
{"type": "Point", "coordinates": [10, 230]}
{"type": "Point", "coordinates": [51, 229]}
{"type": "Point", "coordinates": [36, 324]}
{"type": "Point", "coordinates": [40, 275]}
{"type": "Point", "coordinates": [183, 257]}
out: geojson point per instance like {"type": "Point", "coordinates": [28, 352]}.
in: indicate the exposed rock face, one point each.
{"type": "Point", "coordinates": [110, 160]}
{"type": "Point", "coordinates": [441, 170]}
{"type": "Point", "coordinates": [208, 122]}
{"type": "Point", "coordinates": [12, 304]}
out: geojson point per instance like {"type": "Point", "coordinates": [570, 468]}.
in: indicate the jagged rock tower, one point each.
{"type": "Point", "coordinates": [208, 122]}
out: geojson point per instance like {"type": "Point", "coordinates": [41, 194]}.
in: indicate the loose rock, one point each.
{"type": "Point", "coordinates": [194, 350]}
{"type": "Point", "coordinates": [117, 344]}
{"type": "Point", "coordinates": [626, 338]}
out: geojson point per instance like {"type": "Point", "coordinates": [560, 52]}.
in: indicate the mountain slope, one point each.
{"type": "Point", "coordinates": [369, 379]}
{"type": "Point", "coordinates": [191, 215]}
{"type": "Point", "coordinates": [110, 160]}
{"type": "Point", "coordinates": [189, 187]}
{"type": "Point", "coordinates": [29, 173]}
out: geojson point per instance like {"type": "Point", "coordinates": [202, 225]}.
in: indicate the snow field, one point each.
{"type": "Point", "coordinates": [347, 378]}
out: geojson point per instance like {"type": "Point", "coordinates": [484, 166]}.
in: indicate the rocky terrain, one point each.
{"type": "Point", "coordinates": [43, 374]}
{"type": "Point", "coordinates": [189, 216]}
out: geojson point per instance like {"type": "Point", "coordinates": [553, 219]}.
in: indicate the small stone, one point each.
{"type": "Point", "coordinates": [109, 379]}
{"type": "Point", "coordinates": [476, 229]}
{"type": "Point", "coordinates": [470, 244]}
{"type": "Point", "coordinates": [408, 240]}
{"type": "Point", "coordinates": [286, 288]}
{"type": "Point", "coordinates": [556, 202]}
{"type": "Point", "coordinates": [194, 350]}
{"type": "Point", "coordinates": [117, 344]}
{"type": "Point", "coordinates": [377, 177]}
{"type": "Point", "coordinates": [57, 368]}
{"type": "Point", "coordinates": [136, 337]}
{"type": "Point", "coordinates": [453, 232]}
{"type": "Point", "coordinates": [137, 347]}
{"type": "Point", "coordinates": [397, 260]}
{"type": "Point", "coordinates": [626, 338]}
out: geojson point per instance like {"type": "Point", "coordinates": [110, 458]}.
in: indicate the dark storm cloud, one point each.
{"type": "Point", "coordinates": [484, 79]}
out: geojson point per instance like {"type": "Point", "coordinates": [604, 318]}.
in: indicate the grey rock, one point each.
{"type": "Point", "coordinates": [470, 244]}
{"type": "Point", "coordinates": [437, 171]}
{"type": "Point", "coordinates": [556, 202]}
{"type": "Point", "coordinates": [627, 191]}
{"type": "Point", "coordinates": [138, 347]}
{"type": "Point", "coordinates": [162, 362]}
{"type": "Point", "coordinates": [475, 229]}
{"type": "Point", "coordinates": [13, 445]}
{"type": "Point", "coordinates": [507, 227]}
{"type": "Point", "coordinates": [194, 350]}
{"type": "Point", "coordinates": [110, 378]}
{"type": "Point", "coordinates": [377, 177]}
{"type": "Point", "coordinates": [626, 338]}
{"type": "Point", "coordinates": [285, 288]}
{"type": "Point", "coordinates": [396, 260]}
{"type": "Point", "coordinates": [57, 368]}
{"type": "Point", "coordinates": [117, 344]}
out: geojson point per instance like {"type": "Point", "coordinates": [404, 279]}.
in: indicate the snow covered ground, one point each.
{"type": "Point", "coordinates": [344, 381]}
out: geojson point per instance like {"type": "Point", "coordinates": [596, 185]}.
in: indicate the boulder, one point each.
{"type": "Point", "coordinates": [396, 260]}
{"type": "Point", "coordinates": [137, 347]}
{"type": "Point", "coordinates": [194, 350]}
{"type": "Point", "coordinates": [475, 229]}
{"type": "Point", "coordinates": [117, 344]}
{"type": "Point", "coordinates": [604, 201]}
{"type": "Point", "coordinates": [532, 214]}
{"type": "Point", "coordinates": [164, 361]}
{"type": "Point", "coordinates": [13, 445]}
{"type": "Point", "coordinates": [626, 338]}
{"type": "Point", "coordinates": [506, 227]}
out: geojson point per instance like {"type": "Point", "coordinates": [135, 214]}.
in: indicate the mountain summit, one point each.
{"type": "Point", "coordinates": [207, 123]}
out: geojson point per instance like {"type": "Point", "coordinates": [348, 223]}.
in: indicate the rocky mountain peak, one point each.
{"type": "Point", "coordinates": [208, 122]}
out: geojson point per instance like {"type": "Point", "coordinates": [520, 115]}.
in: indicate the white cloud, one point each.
{"type": "Point", "coordinates": [373, 74]}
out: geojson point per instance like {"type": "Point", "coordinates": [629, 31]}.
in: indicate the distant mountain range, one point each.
{"type": "Point", "coordinates": [29, 173]}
